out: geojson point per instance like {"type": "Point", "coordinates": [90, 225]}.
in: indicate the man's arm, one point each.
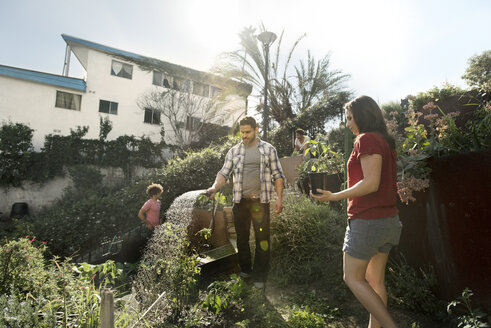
{"type": "Point", "coordinates": [278, 186]}
{"type": "Point", "coordinates": [219, 182]}
{"type": "Point", "coordinates": [222, 175]}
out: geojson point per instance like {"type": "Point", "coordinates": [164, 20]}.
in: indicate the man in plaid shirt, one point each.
{"type": "Point", "coordinates": [255, 166]}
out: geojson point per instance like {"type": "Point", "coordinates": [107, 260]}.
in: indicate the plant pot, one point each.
{"type": "Point", "coordinates": [202, 219]}
{"type": "Point", "coordinates": [322, 180]}
{"type": "Point", "coordinates": [317, 181]}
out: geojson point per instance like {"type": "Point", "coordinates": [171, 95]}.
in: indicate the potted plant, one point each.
{"type": "Point", "coordinates": [322, 168]}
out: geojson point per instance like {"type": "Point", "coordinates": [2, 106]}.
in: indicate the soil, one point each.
{"type": "Point", "coordinates": [351, 312]}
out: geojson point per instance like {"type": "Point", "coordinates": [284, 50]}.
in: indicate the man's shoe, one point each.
{"type": "Point", "coordinates": [245, 275]}
{"type": "Point", "coordinates": [259, 284]}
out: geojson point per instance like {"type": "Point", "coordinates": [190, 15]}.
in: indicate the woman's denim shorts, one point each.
{"type": "Point", "coordinates": [366, 237]}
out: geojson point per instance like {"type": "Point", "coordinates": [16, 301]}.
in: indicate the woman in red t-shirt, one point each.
{"type": "Point", "coordinates": [373, 221]}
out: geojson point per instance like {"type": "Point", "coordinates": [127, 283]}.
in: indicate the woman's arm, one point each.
{"type": "Point", "coordinates": [371, 166]}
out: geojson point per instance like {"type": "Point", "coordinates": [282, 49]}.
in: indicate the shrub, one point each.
{"type": "Point", "coordinates": [87, 216]}
{"type": "Point", "coordinates": [167, 270]}
{"type": "Point", "coordinates": [304, 318]}
{"type": "Point", "coordinates": [15, 151]}
{"type": "Point", "coordinates": [38, 293]}
{"type": "Point", "coordinates": [281, 138]}
{"type": "Point", "coordinates": [464, 313]}
{"type": "Point", "coordinates": [304, 228]}
{"type": "Point", "coordinates": [478, 73]}
{"type": "Point", "coordinates": [412, 289]}
{"type": "Point", "coordinates": [20, 313]}
{"type": "Point", "coordinates": [23, 268]}
{"type": "Point", "coordinates": [447, 90]}
{"type": "Point", "coordinates": [197, 170]}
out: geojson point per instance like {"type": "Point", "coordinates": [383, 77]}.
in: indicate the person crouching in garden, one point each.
{"type": "Point", "coordinates": [373, 220]}
{"type": "Point", "coordinates": [150, 211]}
{"type": "Point", "coordinates": [255, 165]}
{"type": "Point", "coordinates": [301, 142]}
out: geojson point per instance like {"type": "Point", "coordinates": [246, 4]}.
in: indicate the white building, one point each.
{"type": "Point", "coordinates": [114, 82]}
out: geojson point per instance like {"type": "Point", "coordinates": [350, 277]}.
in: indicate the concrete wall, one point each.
{"type": "Point", "coordinates": [289, 166]}
{"type": "Point", "coordinates": [39, 195]}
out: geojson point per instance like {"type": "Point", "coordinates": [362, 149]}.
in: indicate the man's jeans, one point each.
{"type": "Point", "coordinates": [244, 212]}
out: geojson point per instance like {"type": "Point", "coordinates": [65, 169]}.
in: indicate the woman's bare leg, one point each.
{"type": "Point", "coordinates": [375, 277]}
{"type": "Point", "coordinates": [355, 271]}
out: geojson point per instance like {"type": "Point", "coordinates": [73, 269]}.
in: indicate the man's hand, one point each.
{"type": "Point", "coordinates": [210, 193]}
{"type": "Point", "coordinates": [278, 206]}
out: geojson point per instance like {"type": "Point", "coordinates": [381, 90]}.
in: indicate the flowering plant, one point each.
{"type": "Point", "coordinates": [432, 132]}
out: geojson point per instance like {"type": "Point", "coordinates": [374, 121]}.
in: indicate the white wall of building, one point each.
{"type": "Point", "coordinates": [33, 104]}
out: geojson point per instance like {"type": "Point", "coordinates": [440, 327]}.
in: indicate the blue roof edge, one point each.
{"type": "Point", "coordinates": [104, 48]}
{"type": "Point", "coordinates": [44, 78]}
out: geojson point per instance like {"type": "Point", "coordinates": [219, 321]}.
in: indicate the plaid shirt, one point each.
{"type": "Point", "coordinates": [270, 169]}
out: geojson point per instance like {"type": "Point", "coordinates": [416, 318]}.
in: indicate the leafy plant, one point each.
{"type": "Point", "coordinates": [218, 202]}
{"type": "Point", "coordinates": [429, 131]}
{"type": "Point", "coordinates": [322, 158]}
{"type": "Point", "coordinates": [15, 151]}
{"type": "Point", "coordinates": [302, 317]}
{"type": "Point", "coordinates": [167, 269]}
{"type": "Point", "coordinates": [36, 292]}
{"type": "Point", "coordinates": [412, 289]}
{"type": "Point", "coordinates": [478, 73]}
{"type": "Point", "coordinates": [295, 242]}
{"type": "Point", "coordinates": [196, 170]}
{"type": "Point", "coordinates": [467, 317]}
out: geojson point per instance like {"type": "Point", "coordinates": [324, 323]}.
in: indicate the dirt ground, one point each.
{"type": "Point", "coordinates": [352, 314]}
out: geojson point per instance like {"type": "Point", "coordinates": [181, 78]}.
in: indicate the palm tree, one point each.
{"type": "Point", "coordinates": [311, 85]}
{"type": "Point", "coordinates": [248, 65]}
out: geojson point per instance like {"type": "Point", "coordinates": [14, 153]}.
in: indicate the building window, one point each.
{"type": "Point", "coordinates": [68, 100]}
{"type": "Point", "coordinates": [121, 69]}
{"type": "Point", "coordinates": [215, 92]}
{"type": "Point", "coordinates": [181, 84]}
{"type": "Point", "coordinates": [152, 116]}
{"type": "Point", "coordinates": [109, 107]}
{"type": "Point", "coordinates": [192, 123]}
{"type": "Point", "coordinates": [201, 89]}
{"type": "Point", "coordinates": [161, 79]}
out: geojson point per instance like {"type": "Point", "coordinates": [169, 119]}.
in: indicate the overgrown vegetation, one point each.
{"type": "Point", "coordinates": [306, 242]}
{"type": "Point", "coordinates": [424, 129]}
{"type": "Point", "coordinates": [303, 228]}
{"type": "Point", "coordinates": [35, 292]}
{"type": "Point", "coordinates": [19, 162]}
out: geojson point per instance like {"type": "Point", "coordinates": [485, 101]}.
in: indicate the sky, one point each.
{"type": "Point", "coordinates": [389, 48]}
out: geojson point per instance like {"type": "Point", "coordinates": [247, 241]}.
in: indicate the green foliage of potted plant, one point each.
{"type": "Point", "coordinates": [323, 166]}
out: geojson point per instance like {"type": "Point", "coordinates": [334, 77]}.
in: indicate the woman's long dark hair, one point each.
{"type": "Point", "coordinates": [368, 117]}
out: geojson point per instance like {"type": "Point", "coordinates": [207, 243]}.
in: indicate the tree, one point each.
{"type": "Point", "coordinates": [478, 73]}
{"type": "Point", "coordinates": [185, 113]}
{"type": "Point", "coordinates": [311, 84]}
{"type": "Point", "coordinates": [248, 65]}
{"type": "Point", "coordinates": [15, 151]}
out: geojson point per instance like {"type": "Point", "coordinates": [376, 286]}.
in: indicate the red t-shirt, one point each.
{"type": "Point", "coordinates": [382, 203]}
